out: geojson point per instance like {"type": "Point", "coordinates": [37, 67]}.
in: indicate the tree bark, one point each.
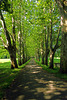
{"type": "Point", "coordinates": [38, 54]}
{"type": "Point", "coordinates": [23, 54]}
{"type": "Point", "coordinates": [46, 56]}
{"type": "Point", "coordinates": [51, 59]}
{"type": "Point", "coordinates": [63, 60]}
{"type": "Point", "coordinates": [19, 49]}
{"type": "Point", "coordinates": [12, 54]}
{"type": "Point", "coordinates": [42, 44]}
{"type": "Point", "coordinates": [20, 37]}
{"type": "Point", "coordinates": [46, 47]}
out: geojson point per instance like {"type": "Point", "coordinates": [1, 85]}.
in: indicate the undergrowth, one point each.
{"type": "Point", "coordinates": [55, 71]}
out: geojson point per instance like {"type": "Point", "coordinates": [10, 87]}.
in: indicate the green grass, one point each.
{"type": "Point", "coordinates": [7, 75]}
{"type": "Point", "coordinates": [54, 71]}
{"type": "Point", "coordinates": [56, 60]}
{"type": "Point", "coordinates": [4, 60]}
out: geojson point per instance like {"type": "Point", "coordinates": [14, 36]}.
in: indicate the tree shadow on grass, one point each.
{"type": "Point", "coordinates": [33, 83]}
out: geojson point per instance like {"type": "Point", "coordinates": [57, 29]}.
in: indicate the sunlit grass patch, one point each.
{"type": "Point", "coordinates": [4, 60]}
{"type": "Point", "coordinates": [7, 75]}
{"type": "Point", "coordinates": [56, 60]}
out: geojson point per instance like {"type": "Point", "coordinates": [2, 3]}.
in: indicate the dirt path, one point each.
{"type": "Point", "coordinates": [33, 83]}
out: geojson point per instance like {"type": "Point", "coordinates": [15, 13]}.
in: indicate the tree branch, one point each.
{"type": "Point", "coordinates": [56, 45]}
{"type": "Point", "coordinates": [5, 29]}
{"type": "Point", "coordinates": [3, 42]}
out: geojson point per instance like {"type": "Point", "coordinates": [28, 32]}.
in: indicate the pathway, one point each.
{"type": "Point", "coordinates": [33, 83]}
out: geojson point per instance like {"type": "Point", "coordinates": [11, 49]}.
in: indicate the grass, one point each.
{"type": "Point", "coordinates": [56, 60]}
{"type": "Point", "coordinates": [7, 75]}
{"type": "Point", "coordinates": [54, 71]}
{"type": "Point", "coordinates": [4, 60]}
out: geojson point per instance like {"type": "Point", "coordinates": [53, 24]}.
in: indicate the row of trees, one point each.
{"type": "Point", "coordinates": [50, 32]}
{"type": "Point", "coordinates": [52, 42]}
{"type": "Point", "coordinates": [13, 34]}
{"type": "Point", "coordinates": [35, 28]}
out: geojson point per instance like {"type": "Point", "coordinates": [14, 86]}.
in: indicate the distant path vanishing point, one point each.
{"type": "Point", "coordinates": [34, 83]}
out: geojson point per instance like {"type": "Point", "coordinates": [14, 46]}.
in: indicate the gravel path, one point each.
{"type": "Point", "coordinates": [34, 83]}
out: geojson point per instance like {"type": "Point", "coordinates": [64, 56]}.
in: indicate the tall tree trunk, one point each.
{"type": "Point", "coordinates": [51, 59]}
{"type": "Point", "coordinates": [46, 57]}
{"type": "Point", "coordinates": [51, 51]}
{"type": "Point", "coordinates": [19, 49]}
{"type": "Point", "coordinates": [23, 54]}
{"type": "Point", "coordinates": [13, 51]}
{"type": "Point", "coordinates": [46, 47]}
{"type": "Point", "coordinates": [38, 55]}
{"type": "Point", "coordinates": [42, 44]}
{"type": "Point", "coordinates": [19, 36]}
{"type": "Point", "coordinates": [63, 61]}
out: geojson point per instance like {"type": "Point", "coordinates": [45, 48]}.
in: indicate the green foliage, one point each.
{"type": "Point", "coordinates": [4, 5]}
{"type": "Point", "coordinates": [33, 15]}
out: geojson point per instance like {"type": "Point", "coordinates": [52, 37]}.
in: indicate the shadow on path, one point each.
{"type": "Point", "coordinates": [33, 83]}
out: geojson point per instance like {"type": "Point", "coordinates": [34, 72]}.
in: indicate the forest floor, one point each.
{"type": "Point", "coordinates": [34, 83]}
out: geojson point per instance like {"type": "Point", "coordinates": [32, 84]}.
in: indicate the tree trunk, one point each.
{"type": "Point", "coordinates": [38, 54]}
{"type": "Point", "coordinates": [51, 64]}
{"type": "Point", "coordinates": [20, 37]}
{"type": "Point", "coordinates": [23, 54]}
{"type": "Point", "coordinates": [42, 59]}
{"type": "Point", "coordinates": [39, 57]}
{"type": "Point", "coordinates": [46, 47]}
{"type": "Point", "coordinates": [12, 54]}
{"type": "Point", "coordinates": [19, 61]}
{"type": "Point", "coordinates": [42, 44]}
{"type": "Point", "coordinates": [19, 49]}
{"type": "Point", "coordinates": [13, 61]}
{"type": "Point", "coordinates": [46, 58]}
{"type": "Point", "coordinates": [63, 61]}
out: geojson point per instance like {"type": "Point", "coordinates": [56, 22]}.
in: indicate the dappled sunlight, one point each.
{"type": "Point", "coordinates": [14, 90]}
{"type": "Point", "coordinates": [39, 67]}
{"type": "Point", "coordinates": [34, 83]}
{"type": "Point", "coordinates": [41, 81]}
{"type": "Point", "coordinates": [26, 87]}
{"type": "Point", "coordinates": [36, 72]}
{"type": "Point", "coordinates": [20, 97]}
{"type": "Point", "coordinates": [20, 85]}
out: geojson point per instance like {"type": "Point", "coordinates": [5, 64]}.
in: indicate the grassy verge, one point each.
{"type": "Point", "coordinates": [7, 75]}
{"type": "Point", "coordinates": [54, 71]}
{"type": "Point", "coordinates": [56, 60]}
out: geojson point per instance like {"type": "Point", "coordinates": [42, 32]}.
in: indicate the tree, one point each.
{"type": "Point", "coordinates": [62, 4]}
{"type": "Point", "coordinates": [10, 46]}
